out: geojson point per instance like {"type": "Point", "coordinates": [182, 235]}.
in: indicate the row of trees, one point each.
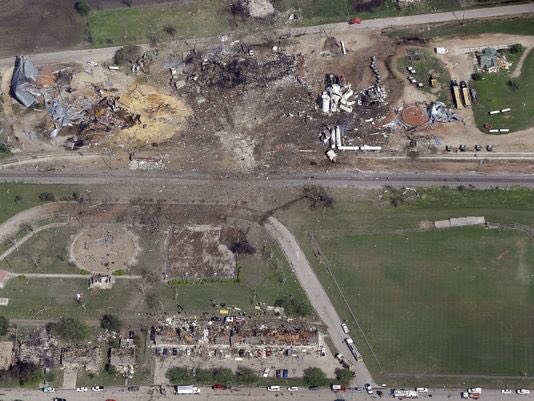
{"type": "Point", "coordinates": [244, 375]}
{"type": "Point", "coordinates": [74, 330]}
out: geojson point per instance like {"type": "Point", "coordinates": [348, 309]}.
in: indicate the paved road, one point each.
{"type": "Point", "coordinates": [333, 179]}
{"type": "Point", "coordinates": [107, 53]}
{"type": "Point", "coordinates": [316, 294]}
{"type": "Point", "coordinates": [255, 394]}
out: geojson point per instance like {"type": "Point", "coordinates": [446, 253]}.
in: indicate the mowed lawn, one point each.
{"type": "Point", "coordinates": [455, 301]}
{"type": "Point", "coordinates": [199, 18]}
{"type": "Point", "coordinates": [494, 93]}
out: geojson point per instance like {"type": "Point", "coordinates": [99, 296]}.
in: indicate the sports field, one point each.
{"type": "Point", "coordinates": [430, 302]}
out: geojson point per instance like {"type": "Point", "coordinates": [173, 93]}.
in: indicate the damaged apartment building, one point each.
{"type": "Point", "coordinates": [237, 337]}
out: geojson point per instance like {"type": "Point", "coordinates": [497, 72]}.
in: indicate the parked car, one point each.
{"type": "Point", "coordinates": [165, 352]}
{"type": "Point", "coordinates": [421, 389]}
{"type": "Point", "coordinates": [379, 393]}
{"type": "Point", "coordinates": [266, 372]}
{"type": "Point", "coordinates": [506, 391]}
{"type": "Point", "coordinates": [522, 391]}
{"type": "Point", "coordinates": [97, 388]}
{"type": "Point", "coordinates": [368, 388]}
{"type": "Point", "coordinates": [174, 351]}
{"type": "Point", "coordinates": [273, 388]}
{"type": "Point", "coordinates": [278, 373]}
{"type": "Point", "coordinates": [345, 328]}
{"type": "Point", "coordinates": [357, 389]}
{"type": "Point", "coordinates": [48, 389]}
{"type": "Point", "coordinates": [219, 386]}
{"type": "Point", "coordinates": [82, 389]}
{"type": "Point", "coordinates": [133, 388]}
{"type": "Point", "coordinates": [339, 356]}
{"type": "Point", "coordinates": [313, 388]}
{"type": "Point", "coordinates": [158, 351]}
{"type": "Point", "coordinates": [293, 388]}
{"type": "Point", "coordinates": [59, 399]}
{"type": "Point", "coordinates": [110, 399]}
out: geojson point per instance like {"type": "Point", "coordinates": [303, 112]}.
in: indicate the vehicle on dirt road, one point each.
{"type": "Point", "coordinates": [522, 391]}
{"type": "Point", "coordinates": [219, 386]}
{"type": "Point", "coordinates": [355, 20]}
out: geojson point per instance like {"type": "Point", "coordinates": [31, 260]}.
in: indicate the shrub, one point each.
{"type": "Point", "coordinates": [516, 48]}
{"type": "Point", "coordinates": [4, 325]}
{"type": "Point", "coordinates": [293, 306]}
{"type": "Point", "coordinates": [127, 54]}
{"type": "Point", "coordinates": [110, 322]}
{"type": "Point", "coordinates": [82, 7]}
{"type": "Point", "coordinates": [69, 329]}
{"type": "Point", "coordinates": [314, 376]}
{"type": "Point", "coordinates": [476, 76]}
{"type": "Point", "coordinates": [513, 84]}
{"type": "Point", "coordinates": [47, 196]}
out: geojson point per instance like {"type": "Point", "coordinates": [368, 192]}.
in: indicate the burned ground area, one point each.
{"type": "Point", "coordinates": [39, 26]}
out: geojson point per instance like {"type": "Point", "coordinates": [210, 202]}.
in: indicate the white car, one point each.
{"type": "Point", "coordinates": [474, 390]}
{"type": "Point", "coordinates": [266, 372]}
{"type": "Point", "coordinates": [273, 388]}
{"type": "Point", "coordinates": [368, 388]}
{"type": "Point", "coordinates": [97, 388]}
{"type": "Point", "coordinates": [291, 389]}
{"type": "Point", "coordinates": [345, 328]}
{"type": "Point", "coordinates": [48, 389]}
{"type": "Point", "coordinates": [82, 389]}
{"type": "Point", "coordinates": [421, 389]}
{"type": "Point", "coordinates": [522, 391]}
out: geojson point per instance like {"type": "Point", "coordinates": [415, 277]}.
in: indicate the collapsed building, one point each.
{"type": "Point", "coordinates": [237, 336]}
{"type": "Point", "coordinates": [38, 347]}
{"type": "Point", "coordinates": [81, 356]}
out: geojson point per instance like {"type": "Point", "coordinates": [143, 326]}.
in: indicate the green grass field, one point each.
{"type": "Point", "coordinates": [452, 302]}
{"type": "Point", "coordinates": [514, 26]}
{"type": "Point", "coordinates": [29, 196]}
{"type": "Point", "coordinates": [494, 92]}
{"type": "Point", "coordinates": [201, 18]}
{"type": "Point", "coordinates": [46, 252]}
{"type": "Point", "coordinates": [261, 279]}
{"type": "Point", "coordinates": [427, 65]}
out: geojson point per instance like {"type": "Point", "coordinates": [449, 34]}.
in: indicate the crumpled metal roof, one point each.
{"type": "Point", "coordinates": [24, 80]}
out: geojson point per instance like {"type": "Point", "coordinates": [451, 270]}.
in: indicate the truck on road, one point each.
{"type": "Point", "coordinates": [352, 347]}
{"type": "Point", "coordinates": [186, 389]}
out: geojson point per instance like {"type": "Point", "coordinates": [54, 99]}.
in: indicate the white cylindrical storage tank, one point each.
{"type": "Point", "coordinates": [333, 138]}
{"type": "Point", "coordinates": [336, 89]}
{"type": "Point", "coordinates": [504, 130]}
{"type": "Point", "coordinates": [348, 94]}
{"type": "Point", "coordinates": [325, 105]}
{"type": "Point", "coordinates": [505, 110]}
{"type": "Point", "coordinates": [495, 112]}
{"type": "Point", "coordinates": [493, 130]}
{"type": "Point", "coordinates": [338, 136]}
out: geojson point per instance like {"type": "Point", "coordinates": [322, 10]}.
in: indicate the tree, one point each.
{"type": "Point", "coordinates": [18, 198]}
{"type": "Point", "coordinates": [150, 276]}
{"type": "Point", "coordinates": [4, 325]}
{"type": "Point", "coordinates": [293, 306]}
{"type": "Point", "coordinates": [314, 376]}
{"type": "Point", "coordinates": [69, 329]}
{"type": "Point", "coordinates": [170, 30]}
{"type": "Point", "coordinates": [179, 375]}
{"type": "Point", "coordinates": [127, 54]}
{"type": "Point", "coordinates": [246, 375]}
{"type": "Point", "coordinates": [82, 8]}
{"type": "Point", "coordinates": [110, 322]}
{"type": "Point", "coordinates": [476, 76]}
{"type": "Point", "coordinates": [47, 196]}
{"type": "Point", "coordinates": [24, 372]}
{"type": "Point", "coordinates": [513, 84]}
{"type": "Point", "coordinates": [516, 48]}
{"type": "Point", "coordinates": [317, 197]}
{"type": "Point", "coordinates": [344, 376]}
{"type": "Point", "coordinates": [222, 375]}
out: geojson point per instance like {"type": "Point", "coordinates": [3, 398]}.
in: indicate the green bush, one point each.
{"type": "Point", "coordinates": [293, 306]}
{"type": "Point", "coordinates": [82, 8]}
{"type": "Point", "coordinates": [110, 322]}
{"type": "Point", "coordinates": [476, 76]}
{"type": "Point", "coordinates": [69, 329]}
{"type": "Point", "coordinates": [4, 325]}
{"type": "Point", "coordinates": [314, 376]}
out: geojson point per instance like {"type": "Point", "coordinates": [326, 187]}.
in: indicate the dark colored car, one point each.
{"type": "Point", "coordinates": [174, 351]}
{"type": "Point", "coordinates": [313, 388]}
{"type": "Point", "coordinates": [133, 388]}
{"type": "Point", "coordinates": [278, 373]}
{"type": "Point", "coordinates": [165, 352]}
{"type": "Point", "coordinates": [285, 373]}
{"type": "Point", "coordinates": [59, 399]}
{"type": "Point", "coordinates": [379, 393]}
{"type": "Point", "coordinates": [158, 351]}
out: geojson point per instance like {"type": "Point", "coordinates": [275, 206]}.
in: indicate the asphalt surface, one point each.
{"type": "Point", "coordinates": [256, 394]}
{"type": "Point", "coordinates": [107, 53]}
{"type": "Point", "coordinates": [316, 295]}
{"type": "Point", "coordinates": [334, 179]}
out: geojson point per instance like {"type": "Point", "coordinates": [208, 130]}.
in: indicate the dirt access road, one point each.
{"type": "Point", "coordinates": [316, 294]}
{"type": "Point", "coordinates": [372, 24]}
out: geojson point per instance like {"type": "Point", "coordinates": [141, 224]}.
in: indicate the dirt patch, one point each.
{"type": "Point", "coordinates": [104, 248]}
{"type": "Point", "coordinates": [39, 26]}
{"type": "Point", "coordinates": [196, 252]}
